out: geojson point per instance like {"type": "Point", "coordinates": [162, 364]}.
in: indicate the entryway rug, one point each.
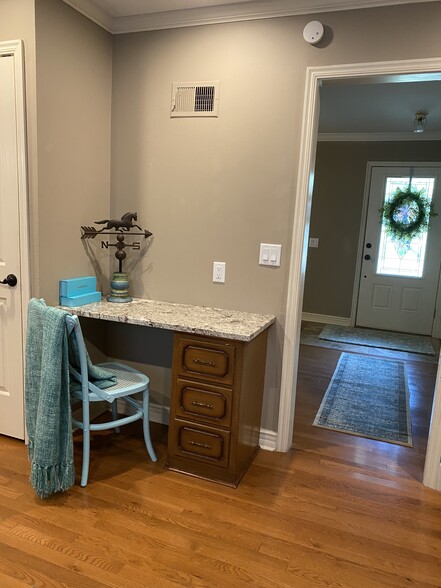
{"type": "Point", "coordinates": [368, 397]}
{"type": "Point", "coordinates": [374, 338]}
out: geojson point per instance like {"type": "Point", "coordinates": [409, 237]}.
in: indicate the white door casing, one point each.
{"type": "Point", "coordinates": [392, 302]}
{"type": "Point", "coordinates": [406, 69]}
{"type": "Point", "coordinates": [13, 239]}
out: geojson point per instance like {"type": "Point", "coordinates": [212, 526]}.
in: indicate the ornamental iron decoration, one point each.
{"type": "Point", "coordinates": [121, 227]}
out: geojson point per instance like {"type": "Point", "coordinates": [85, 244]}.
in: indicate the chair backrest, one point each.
{"type": "Point", "coordinates": [77, 354]}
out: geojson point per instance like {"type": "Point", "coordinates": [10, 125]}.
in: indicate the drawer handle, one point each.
{"type": "Point", "coordinates": [203, 362]}
{"type": "Point", "coordinates": [196, 444]}
{"type": "Point", "coordinates": [203, 404]}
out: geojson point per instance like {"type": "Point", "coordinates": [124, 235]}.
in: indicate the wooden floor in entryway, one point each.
{"type": "Point", "coordinates": [335, 512]}
{"type": "Point", "coordinates": [316, 367]}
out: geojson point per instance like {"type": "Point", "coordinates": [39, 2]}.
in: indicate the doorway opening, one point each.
{"type": "Point", "coordinates": [315, 78]}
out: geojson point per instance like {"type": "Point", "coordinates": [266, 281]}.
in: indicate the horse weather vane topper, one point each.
{"type": "Point", "coordinates": [120, 282]}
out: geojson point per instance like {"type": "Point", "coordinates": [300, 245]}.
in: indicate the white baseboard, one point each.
{"type": "Point", "coordinates": [268, 440]}
{"type": "Point", "coordinates": [342, 321]}
{"type": "Point", "coordinates": [161, 414]}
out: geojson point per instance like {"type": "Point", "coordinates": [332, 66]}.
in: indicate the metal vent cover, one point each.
{"type": "Point", "coordinates": [194, 99]}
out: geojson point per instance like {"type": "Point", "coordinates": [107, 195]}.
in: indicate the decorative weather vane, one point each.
{"type": "Point", "coordinates": [120, 282]}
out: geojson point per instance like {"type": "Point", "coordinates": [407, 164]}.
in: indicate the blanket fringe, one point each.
{"type": "Point", "coordinates": [49, 479]}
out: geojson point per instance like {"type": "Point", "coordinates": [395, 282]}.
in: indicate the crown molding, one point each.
{"type": "Point", "coordinates": [93, 13]}
{"type": "Point", "coordinates": [379, 137]}
{"type": "Point", "coordinates": [240, 11]}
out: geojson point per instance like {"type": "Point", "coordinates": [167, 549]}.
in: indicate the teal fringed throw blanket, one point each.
{"type": "Point", "coordinates": [48, 412]}
{"type": "Point", "coordinates": [98, 375]}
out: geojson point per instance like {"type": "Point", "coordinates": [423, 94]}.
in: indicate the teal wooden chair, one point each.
{"type": "Point", "coordinates": [128, 382]}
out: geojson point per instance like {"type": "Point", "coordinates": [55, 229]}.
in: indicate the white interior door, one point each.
{"type": "Point", "coordinates": [11, 193]}
{"type": "Point", "coordinates": [398, 285]}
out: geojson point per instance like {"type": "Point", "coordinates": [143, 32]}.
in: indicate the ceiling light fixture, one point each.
{"type": "Point", "coordinates": [419, 124]}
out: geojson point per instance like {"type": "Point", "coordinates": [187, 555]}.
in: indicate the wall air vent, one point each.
{"type": "Point", "coordinates": [194, 99]}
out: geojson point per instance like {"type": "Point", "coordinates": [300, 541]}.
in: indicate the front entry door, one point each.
{"type": "Point", "coordinates": [12, 191]}
{"type": "Point", "coordinates": [399, 283]}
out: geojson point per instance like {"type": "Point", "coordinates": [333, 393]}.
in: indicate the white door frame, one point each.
{"type": "Point", "coordinates": [436, 332]}
{"type": "Point", "coordinates": [303, 197]}
{"type": "Point", "coordinates": [15, 49]}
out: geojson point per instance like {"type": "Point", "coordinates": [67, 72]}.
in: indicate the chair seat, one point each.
{"type": "Point", "coordinates": [128, 380]}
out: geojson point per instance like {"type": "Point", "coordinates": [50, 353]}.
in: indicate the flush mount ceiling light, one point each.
{"type": "Point", "coordinates": [419, 124]}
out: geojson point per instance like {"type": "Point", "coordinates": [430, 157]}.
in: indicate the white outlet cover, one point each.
{"type": "Point", "coordinates": [219, 272]}
{"type": "Point", "coordinates": [313, 32]}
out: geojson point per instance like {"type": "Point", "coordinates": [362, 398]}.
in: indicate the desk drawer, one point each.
{"type": "Point", "coordinates": [204, 359]}
{"type": "Point", "coordinates": [204, 402]}
{"type": "Point", "coordinates": [201, 443]}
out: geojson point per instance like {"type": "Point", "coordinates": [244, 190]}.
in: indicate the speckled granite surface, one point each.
{"type": "Point", "coordinates": [201, 320]}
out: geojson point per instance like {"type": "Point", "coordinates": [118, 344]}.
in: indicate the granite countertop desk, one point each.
{"type": "Point", "coordinates": [184, 318]}
{"type": "Point", "coordinates": [218, 364]}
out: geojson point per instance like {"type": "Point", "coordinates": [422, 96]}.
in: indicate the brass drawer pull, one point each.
{"type": "Point", "coordinates": [196, 444]}
{"type": "Point", "coordinates": [202, 404]}
{"type": "Point", "coordinates": [203, 362]}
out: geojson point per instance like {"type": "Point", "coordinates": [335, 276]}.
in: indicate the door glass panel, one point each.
{"type": "Point", "coordinates": [396, 258]}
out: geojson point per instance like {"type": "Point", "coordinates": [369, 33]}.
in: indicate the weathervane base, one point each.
{"type": "Point", "coordinates": [120, 288]}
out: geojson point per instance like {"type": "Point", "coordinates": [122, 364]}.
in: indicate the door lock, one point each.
{"type": "Point", "coordinates": [367, 257]}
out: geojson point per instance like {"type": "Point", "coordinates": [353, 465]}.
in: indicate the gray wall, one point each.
{"type": "Point", "coordinates": [337, 202]}
{"type": "Point", "coordinates": [74, 96]}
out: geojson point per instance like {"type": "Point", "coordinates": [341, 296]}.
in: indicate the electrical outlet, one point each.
{"type": "Point", "coordinates": [219, 272]}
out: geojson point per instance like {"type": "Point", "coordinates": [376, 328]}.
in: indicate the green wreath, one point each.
{"type": "Point", "coordinates": [407, 214]}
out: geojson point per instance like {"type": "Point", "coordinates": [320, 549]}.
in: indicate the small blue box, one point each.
{"type": "Point", "coordinates": [81, 299]}
{"type": "Point", "coordinates": [78, 286]}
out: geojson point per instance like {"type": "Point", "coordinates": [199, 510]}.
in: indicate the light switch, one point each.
{"type": "Point", "coordinates": [270, 254]}
{"type": "Point", "coordinates": [313, 242]}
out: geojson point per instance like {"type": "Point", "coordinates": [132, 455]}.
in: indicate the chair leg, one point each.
{"type": "Point", "coordinates": [86, 455]}
{"type": "Point", "coordinates": [115, 415]}
{"type": "Point", "coordinates": [146, 425]}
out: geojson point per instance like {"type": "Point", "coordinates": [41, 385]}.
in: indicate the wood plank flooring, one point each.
{"type": "Point", "coordinates": [337, 511]}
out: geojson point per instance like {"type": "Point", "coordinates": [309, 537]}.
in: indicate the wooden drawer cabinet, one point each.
{"type": "Point", "coordinates": [216, 405]}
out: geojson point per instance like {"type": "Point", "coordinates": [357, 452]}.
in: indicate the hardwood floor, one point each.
{"type": "Point", "coordinates": [316, 366]}
{"type": "Point", "coordinates": [336, 511]}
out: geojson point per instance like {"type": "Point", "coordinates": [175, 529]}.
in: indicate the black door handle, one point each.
{"type": "Point", "coordinates": [368, 245]}
{"type": "Point", "coordinates": [10, 280]}
{"type": "Point", "coordinates": [367, 257]}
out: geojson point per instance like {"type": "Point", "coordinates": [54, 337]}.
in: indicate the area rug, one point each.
{"type": "Point", "coordinates": [383, 339]}
{"type": "Point", "coordinates": [368, 397]}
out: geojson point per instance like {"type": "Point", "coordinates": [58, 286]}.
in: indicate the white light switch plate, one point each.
{"type": "Point", "coordinates": [313, 242]}
{"type": "Point", "coordinates": [270, 254]}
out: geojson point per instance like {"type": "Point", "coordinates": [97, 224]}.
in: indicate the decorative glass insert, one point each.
{"type": "Point", "coordinates": [397, 258]}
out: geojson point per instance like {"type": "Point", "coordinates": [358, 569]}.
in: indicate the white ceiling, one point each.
{"type": "Point", "coordinates": [117, 8]}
